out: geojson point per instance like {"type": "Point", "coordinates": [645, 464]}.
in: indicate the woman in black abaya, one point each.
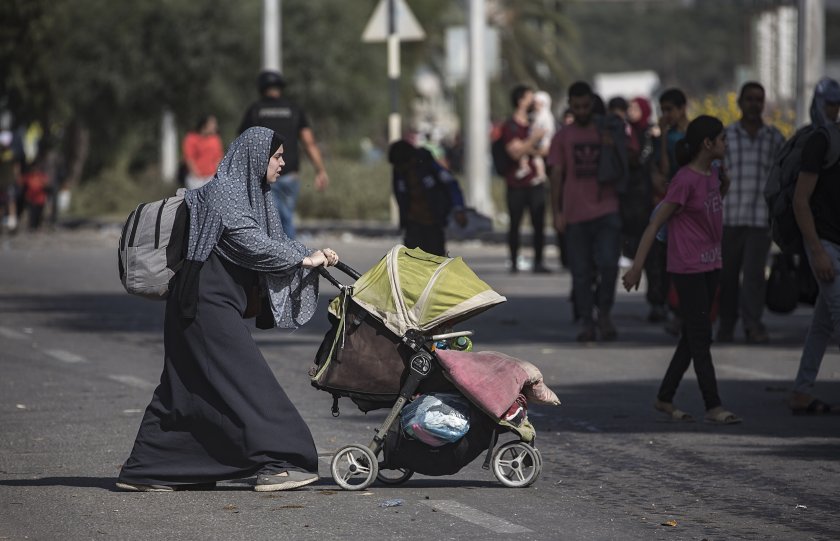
{"type": "Point", "coordinates": [218, 412]}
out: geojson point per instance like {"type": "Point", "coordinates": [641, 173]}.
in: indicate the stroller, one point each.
{"type": "Point", "coordinates": [382, 350]}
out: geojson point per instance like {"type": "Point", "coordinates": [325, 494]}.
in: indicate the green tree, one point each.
{"type": "Point", "coordinates": [537, 43]}
{"type": "Point", "coordinates": [98, 73]}
{"type": "Point", "coordinates": [693, 45]}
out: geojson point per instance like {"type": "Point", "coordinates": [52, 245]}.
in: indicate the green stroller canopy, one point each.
{"type": "Point", "coordinates": [412, 289]}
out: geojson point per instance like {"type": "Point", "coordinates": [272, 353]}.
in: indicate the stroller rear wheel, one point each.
{"type": "Point", "coordinates": [517, 464]}
{"type": "Point", "coordinates": [394, 477]}
{"type": "Point", "coordinates": [354, 467]}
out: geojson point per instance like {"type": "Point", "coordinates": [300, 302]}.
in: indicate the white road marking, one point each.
{"type": "Point", "coordinates": [65, 356]}
{"type": "Point", "coordinates": [749, 372]}
{"type": "Point", "coordinates": [6, 332]}
{"type": "Point", "coordinates": [133, 381]}
{"type": "Point", "coordinates": [474, 516]}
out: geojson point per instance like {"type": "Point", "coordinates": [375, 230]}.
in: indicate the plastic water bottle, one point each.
{"type": "Point", "coordinates": [461, 343]}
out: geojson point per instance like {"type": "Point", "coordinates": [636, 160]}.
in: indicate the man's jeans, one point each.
{"type": "Point", "coordinates": [285, 192]}
{"type": "Point", "coordinates": [825, 321]}
{"type": "Point", "coordinates": [595, 242]}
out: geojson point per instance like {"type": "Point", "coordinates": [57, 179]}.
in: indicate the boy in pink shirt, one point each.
{"type": "Point", "coordinates": [694, 211]}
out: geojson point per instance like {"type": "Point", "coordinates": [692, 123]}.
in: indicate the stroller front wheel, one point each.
{"type": "Point", "coordinates": [517, 464]}
{"type": "Point", "coordinates": [354, 467]}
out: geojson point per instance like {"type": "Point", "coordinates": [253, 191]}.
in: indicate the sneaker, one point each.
{"type": "Point", "coordinates": [607, 329]}
{"type": "Point", "coordinates": [539, 268]}
{"type": "Point", "coordinates": [286, 480]}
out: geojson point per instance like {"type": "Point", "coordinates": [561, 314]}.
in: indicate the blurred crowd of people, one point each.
{"type": "Point", "coordinates": [29, 180]}
{"type": "Point", "coordinates": [614, 181]}
{"type": "Point", "coordinates": [604, 173]}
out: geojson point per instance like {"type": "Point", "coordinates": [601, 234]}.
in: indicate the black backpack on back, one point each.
{"type": "Point", "coordinates": [502, 162]}
{"type": "Point", "coordinates": [781, 184]}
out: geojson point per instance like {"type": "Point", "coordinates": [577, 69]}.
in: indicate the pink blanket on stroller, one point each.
{"type": "Point", "coordinates": [492, 380]}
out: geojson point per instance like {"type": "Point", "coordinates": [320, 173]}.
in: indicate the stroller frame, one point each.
{"type": "Point", "coordinates": [355, 467]}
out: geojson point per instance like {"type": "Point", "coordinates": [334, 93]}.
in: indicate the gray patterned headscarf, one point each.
{"type": "Point", "coordinates": [235, 216]}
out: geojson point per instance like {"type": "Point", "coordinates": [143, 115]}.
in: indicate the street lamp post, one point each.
{"type": "Point", "coordinates": [272, 33]}
{"type": "Point", "coordinates": [478, 111]}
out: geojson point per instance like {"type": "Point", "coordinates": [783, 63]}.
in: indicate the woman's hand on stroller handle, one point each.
{"type": "Point", "coordinates": [320, 258]}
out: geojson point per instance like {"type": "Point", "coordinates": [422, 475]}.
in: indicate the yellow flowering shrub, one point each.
{"type": "Point", "coordinates": [725, 108]}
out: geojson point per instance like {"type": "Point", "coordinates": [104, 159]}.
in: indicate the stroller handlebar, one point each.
{"type": "Point", "coordinates": [348, 270]}
{"type": "Point", "coordinates": [343, 267]}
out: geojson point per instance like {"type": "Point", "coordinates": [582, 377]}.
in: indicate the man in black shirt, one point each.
{"type": "Point", "coordinates": [816, 203]}
{"type": "Point", "coordinates": [279, 113]}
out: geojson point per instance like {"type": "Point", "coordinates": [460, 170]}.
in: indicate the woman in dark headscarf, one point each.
{"type": "Point", "coordinates": [218, 412]}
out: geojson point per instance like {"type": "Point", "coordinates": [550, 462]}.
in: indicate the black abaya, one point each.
{"type": "Point", "coordinates": [218, 413]}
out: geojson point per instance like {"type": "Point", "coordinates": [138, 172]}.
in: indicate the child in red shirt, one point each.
{"type": "Point", "coordinates": [35, 193]}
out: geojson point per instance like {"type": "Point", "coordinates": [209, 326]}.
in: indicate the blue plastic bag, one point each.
{"type": "Point", "coordinates": [436, 419]}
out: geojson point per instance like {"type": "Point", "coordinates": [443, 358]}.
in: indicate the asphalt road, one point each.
{"type": "Point", "coordinates": [79, 358]}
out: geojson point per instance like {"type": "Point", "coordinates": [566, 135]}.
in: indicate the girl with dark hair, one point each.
{"type": "Point", "coordinates": [692, 207]}
{"type": "Point", "coordinates": [218, 412]}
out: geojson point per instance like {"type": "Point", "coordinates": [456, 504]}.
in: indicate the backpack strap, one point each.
{"type": "Point", "coordinates": [832, 155]}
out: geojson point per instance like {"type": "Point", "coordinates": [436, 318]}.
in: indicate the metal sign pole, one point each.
{"type": "Point", "coordinates": [394, 120]}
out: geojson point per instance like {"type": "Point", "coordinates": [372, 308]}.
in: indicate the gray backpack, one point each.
{"type": "Point", "coordinates": [151, 248]}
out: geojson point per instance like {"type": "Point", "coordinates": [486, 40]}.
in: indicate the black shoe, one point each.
{"type": "Point", "coordinates": [541, 269]}
{"type": "Point", "coordinates": [587, 334]}
{"type": "Point", "coordinates": [607, 329]}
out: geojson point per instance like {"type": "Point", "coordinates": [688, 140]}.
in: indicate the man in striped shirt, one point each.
{"type": "Point", "coordinates": [751, 148]}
